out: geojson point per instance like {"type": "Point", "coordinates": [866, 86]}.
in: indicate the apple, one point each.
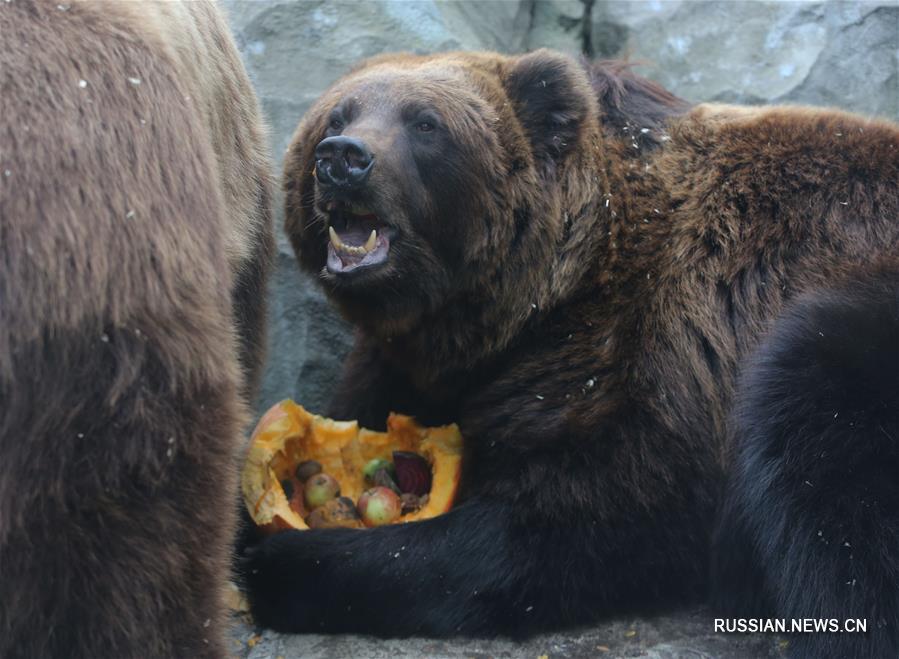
{"type": "Point", "coordinates": [379, 506]}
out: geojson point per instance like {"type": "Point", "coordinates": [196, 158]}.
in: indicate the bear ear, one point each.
{"type": "Point", "coordinates": [552, 98]}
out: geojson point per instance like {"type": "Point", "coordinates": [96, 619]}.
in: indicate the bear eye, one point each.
{"type": "Point", "coordinates": [335, 124]}
{"type": "Point", "coordinates": [425, 126]}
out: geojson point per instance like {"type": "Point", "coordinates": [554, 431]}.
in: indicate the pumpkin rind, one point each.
{"type": "Point", "coordinates": [287, 434]}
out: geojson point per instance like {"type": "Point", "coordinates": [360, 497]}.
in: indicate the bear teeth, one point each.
{"type": "Point", "coordinates": [362, 250]}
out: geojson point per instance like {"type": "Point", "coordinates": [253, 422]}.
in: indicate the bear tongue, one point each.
{"type": "Point", "coordinates": [355, 237]}
{"type": "Point", "coordinates": [354, 249]}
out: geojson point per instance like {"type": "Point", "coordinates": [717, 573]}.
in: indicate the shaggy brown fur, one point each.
{"type": "Point", "coordinates": [579, 265]}
{"type": "Point", "coordinates": [134, 218]}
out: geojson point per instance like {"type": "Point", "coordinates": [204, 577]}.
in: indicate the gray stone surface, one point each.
{"type": "Point", "coordinates": [307, 339]}
{"type": "Point", "coordinates": [844, 54]}
{"type": "Point", "coordinates": [685, 634]}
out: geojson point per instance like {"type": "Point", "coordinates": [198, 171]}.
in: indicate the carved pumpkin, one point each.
{"type": "Point", "coordinates": [287, 435]}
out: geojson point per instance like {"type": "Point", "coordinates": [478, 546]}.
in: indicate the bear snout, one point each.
{"type": "Point", "coordinates": [343, 162]}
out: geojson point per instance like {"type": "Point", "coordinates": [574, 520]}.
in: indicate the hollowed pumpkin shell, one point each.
{"type": "Point", "coordinates": [287, 434]}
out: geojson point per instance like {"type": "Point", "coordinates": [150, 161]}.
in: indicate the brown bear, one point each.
{"type": "Point", "coordinates": [579, 268]}
{"type": "Point", "coordinates": [135, 234]}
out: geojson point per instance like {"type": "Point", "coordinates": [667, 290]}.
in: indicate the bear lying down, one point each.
{"type": "Point", "coordinates": [621, 299]}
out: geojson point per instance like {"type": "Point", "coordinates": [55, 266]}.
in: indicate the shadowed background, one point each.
{"type": "Point", "coordinates": [843, 54]}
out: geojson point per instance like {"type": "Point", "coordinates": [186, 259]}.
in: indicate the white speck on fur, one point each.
{"type": "Point", "coordinates": [104, 338]}
{"type": "Point", "coordinates": [134, 81]}
{"type": "Point", "coordinates": [82, 83]}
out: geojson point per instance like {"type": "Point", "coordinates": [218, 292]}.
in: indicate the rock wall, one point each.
{"type": "Point", "coordinates": [843, 54]}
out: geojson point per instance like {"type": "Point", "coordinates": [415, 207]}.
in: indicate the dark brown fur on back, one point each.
{"type": "Point", "coordinates": [616, 258]}
{"type": "Point", "coordinates": [120, 372]}
{"type": "Point", "coordinates": [632, 104]}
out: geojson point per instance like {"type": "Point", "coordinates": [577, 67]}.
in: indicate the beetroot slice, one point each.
{"type": "Point", "coordinates": [413, 473]}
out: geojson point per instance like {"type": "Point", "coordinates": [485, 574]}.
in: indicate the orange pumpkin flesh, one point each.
{"type": "Point", "coordinates": [287, 434]}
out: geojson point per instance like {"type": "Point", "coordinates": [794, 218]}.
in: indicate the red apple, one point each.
{"type": "Point", "coordinates": [379, 506]}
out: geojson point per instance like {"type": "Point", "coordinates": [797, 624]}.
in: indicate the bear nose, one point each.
{"type": "Point", "coordinates": [343, 161]}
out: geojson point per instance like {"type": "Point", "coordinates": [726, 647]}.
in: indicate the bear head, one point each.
{"type": "Point", "coordinates": [423, 189]}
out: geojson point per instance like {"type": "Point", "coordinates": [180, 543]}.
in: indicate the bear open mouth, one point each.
{"type": "Point", "coordinates": [358, 239]}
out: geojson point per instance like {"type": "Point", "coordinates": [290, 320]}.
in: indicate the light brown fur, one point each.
{"type": "Point", "coordinates": [134, 218]}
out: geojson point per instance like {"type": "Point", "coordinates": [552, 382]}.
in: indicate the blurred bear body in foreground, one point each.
{"type": "Point", "coordinates": [135, 237]}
